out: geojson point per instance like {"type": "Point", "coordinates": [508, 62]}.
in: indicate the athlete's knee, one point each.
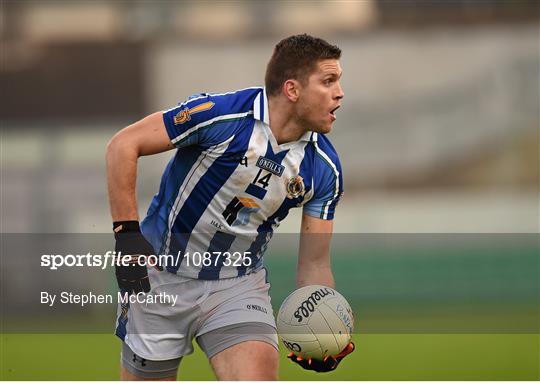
{"type": "Point", "coordinates": [125, 375]}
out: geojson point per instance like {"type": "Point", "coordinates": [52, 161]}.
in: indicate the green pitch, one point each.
{"type": "Point", "coordinates": [378, 357]}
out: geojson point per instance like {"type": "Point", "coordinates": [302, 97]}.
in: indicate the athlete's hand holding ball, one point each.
{"type": "Point", "coordinates": [316, 323]}
{"type": "Point", "coordinates": [329, 363]}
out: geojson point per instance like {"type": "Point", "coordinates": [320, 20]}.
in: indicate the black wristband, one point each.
{"type": "Point", "coordinates": [126, 227]}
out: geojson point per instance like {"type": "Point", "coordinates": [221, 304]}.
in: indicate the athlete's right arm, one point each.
{"type": "Point", "coordinates": [145, 137]}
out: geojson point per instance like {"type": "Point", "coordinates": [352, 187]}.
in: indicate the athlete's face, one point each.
{"type": "Point", "coordinates": [320, 96]}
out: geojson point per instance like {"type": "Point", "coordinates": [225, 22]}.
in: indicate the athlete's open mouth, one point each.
{"type": "Point", "coordinates": [333, 111]}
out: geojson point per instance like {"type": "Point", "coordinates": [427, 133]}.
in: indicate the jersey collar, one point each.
{"type": "Point", "coordinates": [260, 112]}
{"type": "Point", "coordinates": [260, 107]}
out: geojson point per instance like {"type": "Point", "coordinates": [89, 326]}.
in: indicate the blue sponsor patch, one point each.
{"type": "Point", "coordinates": [272, 166]}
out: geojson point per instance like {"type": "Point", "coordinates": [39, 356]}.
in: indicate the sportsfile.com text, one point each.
{"type": "Point", "coordinates": [112, 259]}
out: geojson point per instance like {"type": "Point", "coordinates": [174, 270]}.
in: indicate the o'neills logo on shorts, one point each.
{"type": "Point", "coordinates": [308, 306]}
{"type": "Point", "coordinates": [257, 308]}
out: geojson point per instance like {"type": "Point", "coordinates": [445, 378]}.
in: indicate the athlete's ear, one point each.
{"type": "Point", "coordinates": [291, 90]}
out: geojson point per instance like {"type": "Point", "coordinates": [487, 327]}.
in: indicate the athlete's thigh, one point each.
{"type": "Point", "coordinates": [162, 329]}
{"type": "Point", "coordinates": [249, 360]}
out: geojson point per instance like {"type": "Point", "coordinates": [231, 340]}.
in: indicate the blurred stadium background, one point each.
{"type": "Point", "coordinates": [438, 133]}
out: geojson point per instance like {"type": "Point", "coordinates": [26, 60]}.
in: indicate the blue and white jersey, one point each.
{"type": "Point", "coordinates": [230, 184]}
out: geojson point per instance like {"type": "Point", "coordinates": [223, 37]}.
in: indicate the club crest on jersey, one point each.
{"type": "Point", "coordinates": [295, 187]}
{"type": "Point", "coordinates": [272, 166]}
{"type": "Point", "coordinates": [185, 114]}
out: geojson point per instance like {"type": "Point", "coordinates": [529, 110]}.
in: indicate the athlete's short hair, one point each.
{"type": "Point", "coordinates": [295, 57]}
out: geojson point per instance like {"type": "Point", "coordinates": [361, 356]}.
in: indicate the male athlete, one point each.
{"type": "Point", "coordinates": [243, 159]}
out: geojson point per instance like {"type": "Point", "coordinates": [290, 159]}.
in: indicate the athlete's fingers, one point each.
{"type": "Point", "coordinates": [346, 351]}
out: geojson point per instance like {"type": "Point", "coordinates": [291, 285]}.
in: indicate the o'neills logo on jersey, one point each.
{"type": "Point", "coordinates": [185, 114]}
{"type": "Point", "coordinates": [271, 166]}
{"type": "Point", "coordinates": [295, 187]}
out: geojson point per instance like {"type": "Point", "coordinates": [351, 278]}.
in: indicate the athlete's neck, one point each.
{"type": "Point", "coordinates": [283, 123]}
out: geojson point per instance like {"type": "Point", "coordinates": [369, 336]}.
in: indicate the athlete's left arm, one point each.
{"type": "Point", "coordinates": [314, 268]}
{"type": "Point", "coordinates": [314, 254]}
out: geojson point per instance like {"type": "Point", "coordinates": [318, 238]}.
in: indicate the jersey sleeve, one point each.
{"type": "Point", "coordinates": [205, 119]}
{"type": "Point", "coordinates": [185, 122]}
{"type": "Point", "coordinates": [328, 185]}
